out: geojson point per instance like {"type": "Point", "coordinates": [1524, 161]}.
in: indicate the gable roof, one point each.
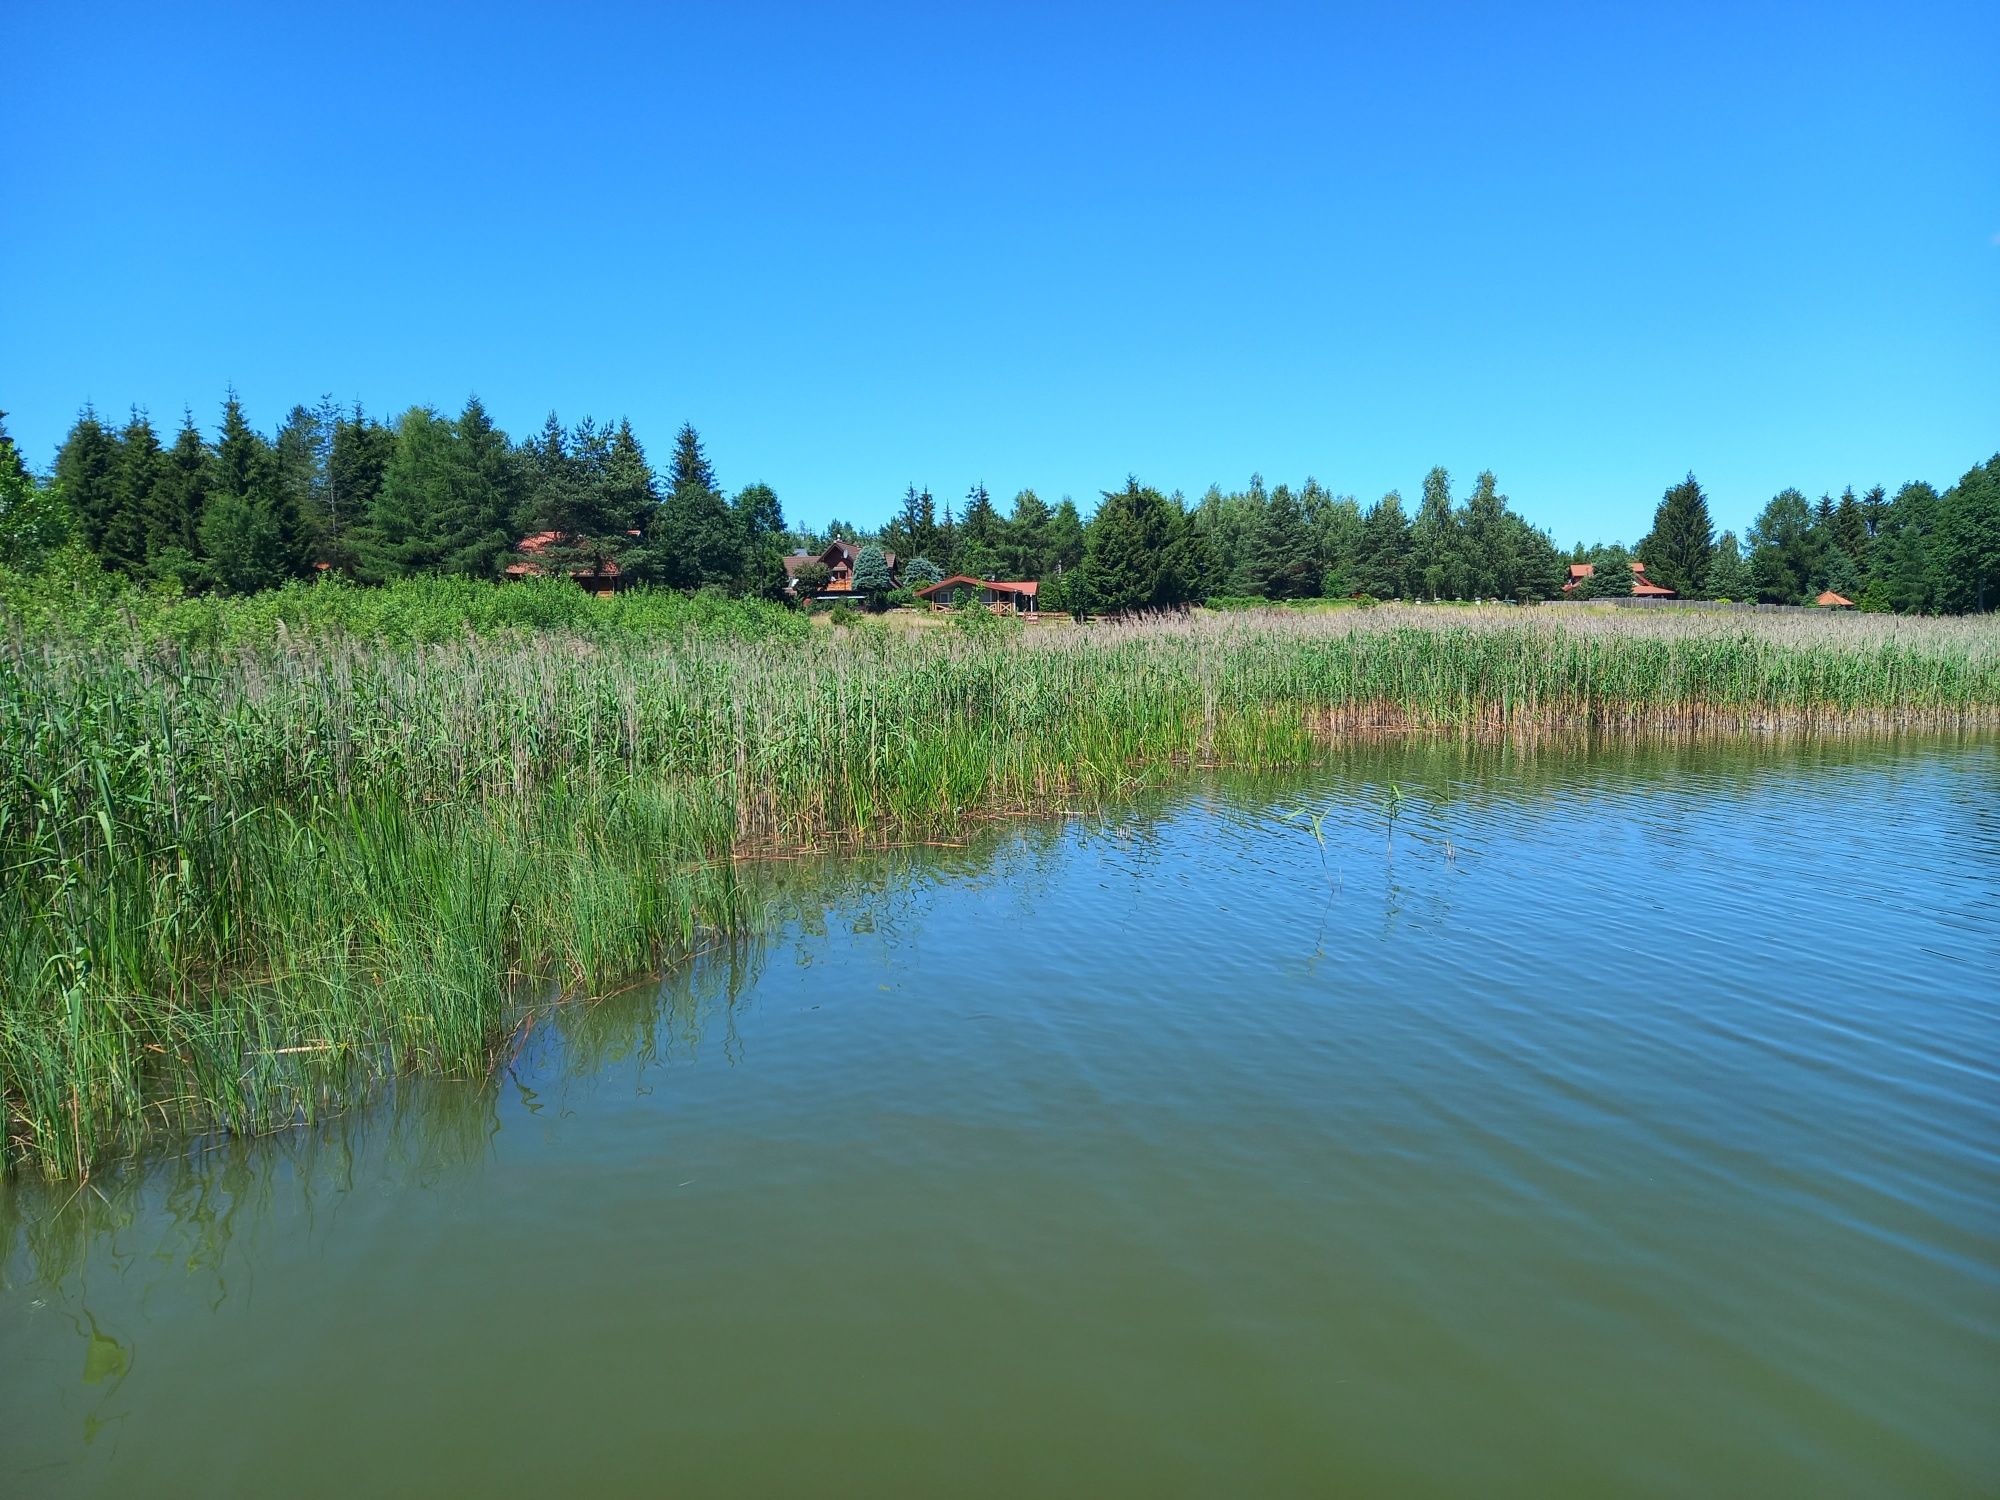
{"type": "Point", "coordinates": [1834, 601]}
{"type": "Point", "coordinates": [841, 551]}
{"type": "Point", "coordinates": [1029, 587]}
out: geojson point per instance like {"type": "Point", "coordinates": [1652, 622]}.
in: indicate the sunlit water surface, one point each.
{"type": "Point", "coordinates": [1630, 1126]}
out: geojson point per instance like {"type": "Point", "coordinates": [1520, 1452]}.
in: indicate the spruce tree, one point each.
{"type": "Point", "coordinates": [1680, 548]}
{"type": "Point", "coordinates": [1382, 566]}
{"type": "Point", "coordinates": [493, 494]}
{"type": "Point", "coordinates": [981, 540]}
{"type": "Point", "coordinates": [249, 539]}
{"type": "Point", "coordinates": [1281, 550]}
{"type": "Point", "coordinates": [86, 469]}
{"type": "Point", "coordinates": [173, 524]}
{"type": "Point", "coordinates": [124, 544]}
{"type": "Point", "coordinates": [1781, 549]}
{"type": "Point", "coordinates": [1064, 536]}
{"type": "Point", "coordinates": [1135, 552]}
{"type": "Point", "coordinates": [872, 579]}
{"type": "Point", "coordinates": [700, 540]}
{"type": "Point", "coordinates": [1728, 574]}
{"type": "Point", "coordinates": [1850, 531]}
{"type": "Point", "coordinates": [1025, 547]}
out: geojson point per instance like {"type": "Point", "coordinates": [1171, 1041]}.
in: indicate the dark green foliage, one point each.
{"type": "Point", "coordinates": [1282, 561]}
{"type": "Point", "coordinates": [250, 536]}
{"type": "Point", "coordinates": [1025, 544]}
{"type": "Point", "coordinates": [1134, 552]}
{"type": "Point", "coordinates": [1782, 554]}
{"type": "Point", "coordinates": [124, 542]}
{"type": "Point", "coordinates": [914, 529]}
{"type": "Point", "coordinates": [920, 573]}
{"type": "Point", "coordinates": [1381, 566]}
{"type": "Point", "coordinates": [980, 546]}
{"type": "Point", "coordinates": [1967, 548]}
{"type": "Point", "coordinates": [1728, 574]}
{"type": "Point", "coordinates": [1680, 548]}
{"type": "Point", "coordinates": [180, 496]}
{"type": "Point", "coordinates": [760, 522]}
{"type": "Point", "coordinates": [700, 540]}
{"type": "Point", "coordinates": [1613, 579]}
{"type": "Point", "coordinates": [87, 469]}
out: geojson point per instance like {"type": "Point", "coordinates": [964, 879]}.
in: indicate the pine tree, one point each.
{"type": "Point", "coordinates": [33, 519]}
{"type": "Point", "coordinates": [296, 459]}
{"type": "Point", "coordinates": [1135, 552]}
{"type": "Point", "coordinates": [690, 465]}
{"type": "Point", "coordinates": [357, 457]}
{"type": "Point", "coordinates": [1063, 537]}
{"type": "Point", "coordinates": [1966, 546]}
{"type": "Point", "coordinates": [494, 492]}
{"type": "Point", "coordinates": [415, 523]}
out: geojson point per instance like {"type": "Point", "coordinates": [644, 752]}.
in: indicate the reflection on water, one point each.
{"type": "Point", "coordinates": [1627, 1121]}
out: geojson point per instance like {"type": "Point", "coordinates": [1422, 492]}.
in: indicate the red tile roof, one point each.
{"type": "Point", "coordinates": [1030, 587]}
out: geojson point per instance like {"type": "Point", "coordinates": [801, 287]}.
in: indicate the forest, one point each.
{"type": "Point", "coordinates": [334, 490]}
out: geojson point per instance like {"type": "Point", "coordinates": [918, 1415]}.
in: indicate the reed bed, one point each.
{"type": "Point", "coordinates": [243, 881]}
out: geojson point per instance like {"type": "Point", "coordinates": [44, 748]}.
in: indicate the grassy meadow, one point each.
{"type": "Point", "coordinates": [262, 853]}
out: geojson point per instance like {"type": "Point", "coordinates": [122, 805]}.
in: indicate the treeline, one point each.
{"type": "Point", "coordinates": [335, 489]}
{"type": "Point", "coordinates": [427, 494]}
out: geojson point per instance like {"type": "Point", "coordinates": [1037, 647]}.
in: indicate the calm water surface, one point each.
{"type": "Point", "coordinates": [1633, 1127]}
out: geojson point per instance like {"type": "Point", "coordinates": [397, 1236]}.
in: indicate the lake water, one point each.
{"type": "Point", "coordinates": [1632, 1126]}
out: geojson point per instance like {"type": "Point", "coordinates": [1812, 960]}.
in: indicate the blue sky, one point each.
{"type": "Point", "coordinates": [1589, 247]}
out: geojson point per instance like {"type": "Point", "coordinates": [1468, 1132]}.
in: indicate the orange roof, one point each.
{"type": "Point", "coordinates": [1581, 570]}
{"type": "Point", "coordinates": [1030, 588]}
{"type": "Point", "coordinates": [1834, 601]}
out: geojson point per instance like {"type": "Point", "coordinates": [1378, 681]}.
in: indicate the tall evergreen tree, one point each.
{"type": "Point", "coordinates": [1966, 548]}
{"type": "Point", "coordinates": [1680, 548]}
{"type": "Point", "coordinates": [1728, 574]}
{"type": "Point", "coordinates": [1134, 552]}
{"type": "Point", "coordinates": [249, 537]}
{"type": "Point", "coordinates": [180, 495]}
{"type": "Point", "coordinates": [700, 541]}
{"type": "Point", "coordinates": [1025, 545]}
{"type": "Point", "coordinates": [1281, 560]}
{"type": "Point", "coordinates": [1382, 565]}
{"type": "Point", "coordinates": [87, 468]}
{"type": "Point", "coordinates": [981, 541]}
{"type": "Point", "coordinates": [34, 521]}
{"type": "Point", "coordinates": [124, 543]}
{"type": "Point", "coordinates": [1850, 530]}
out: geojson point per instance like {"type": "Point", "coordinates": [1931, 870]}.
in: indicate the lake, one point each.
{"type": "Point", "coordinates": [1622, 1119]}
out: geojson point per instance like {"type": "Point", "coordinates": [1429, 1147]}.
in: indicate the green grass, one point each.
{"type": "Point", "coordinates": [254, 867]}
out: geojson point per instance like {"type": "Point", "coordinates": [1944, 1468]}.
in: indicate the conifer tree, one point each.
{"type": "Point", "coordinates": [981, 540]}
{"type": "Point", "coordinates": [249, 539]}
{"type": "Point", "coordinates": [1728, 574]}
{"type": "Point", "coordinates": [1281, 550]}
{"type": "Point", "coordinates": [173, 524]}
{"type": "Point", "coordinates": [760, 522]}
{"type": "Point", "coordinates": [86, 468]}
{"type": "Point", "coordinates": [124, 544]}
{"type": "Point", "coordinates": [700, 541]}
{"type": "Point", "coordinates": [1064, 537]}
{"type": "Point", "coordinates": [1025, 548]}
{"type": "Point", "coordinates": [1382, 567]}
{"type": "Point", "coordinates": [1850, 531]}
{"type": "Point", "coordinates": [1680, 548]}
{"type": "Point", "coordinates": [872, 579]}
{"type": "Point", "coordinates": [1134, 552]}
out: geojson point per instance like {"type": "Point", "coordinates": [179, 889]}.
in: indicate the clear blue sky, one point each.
{"type": "Point", "coordinates": [1590, 247]}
